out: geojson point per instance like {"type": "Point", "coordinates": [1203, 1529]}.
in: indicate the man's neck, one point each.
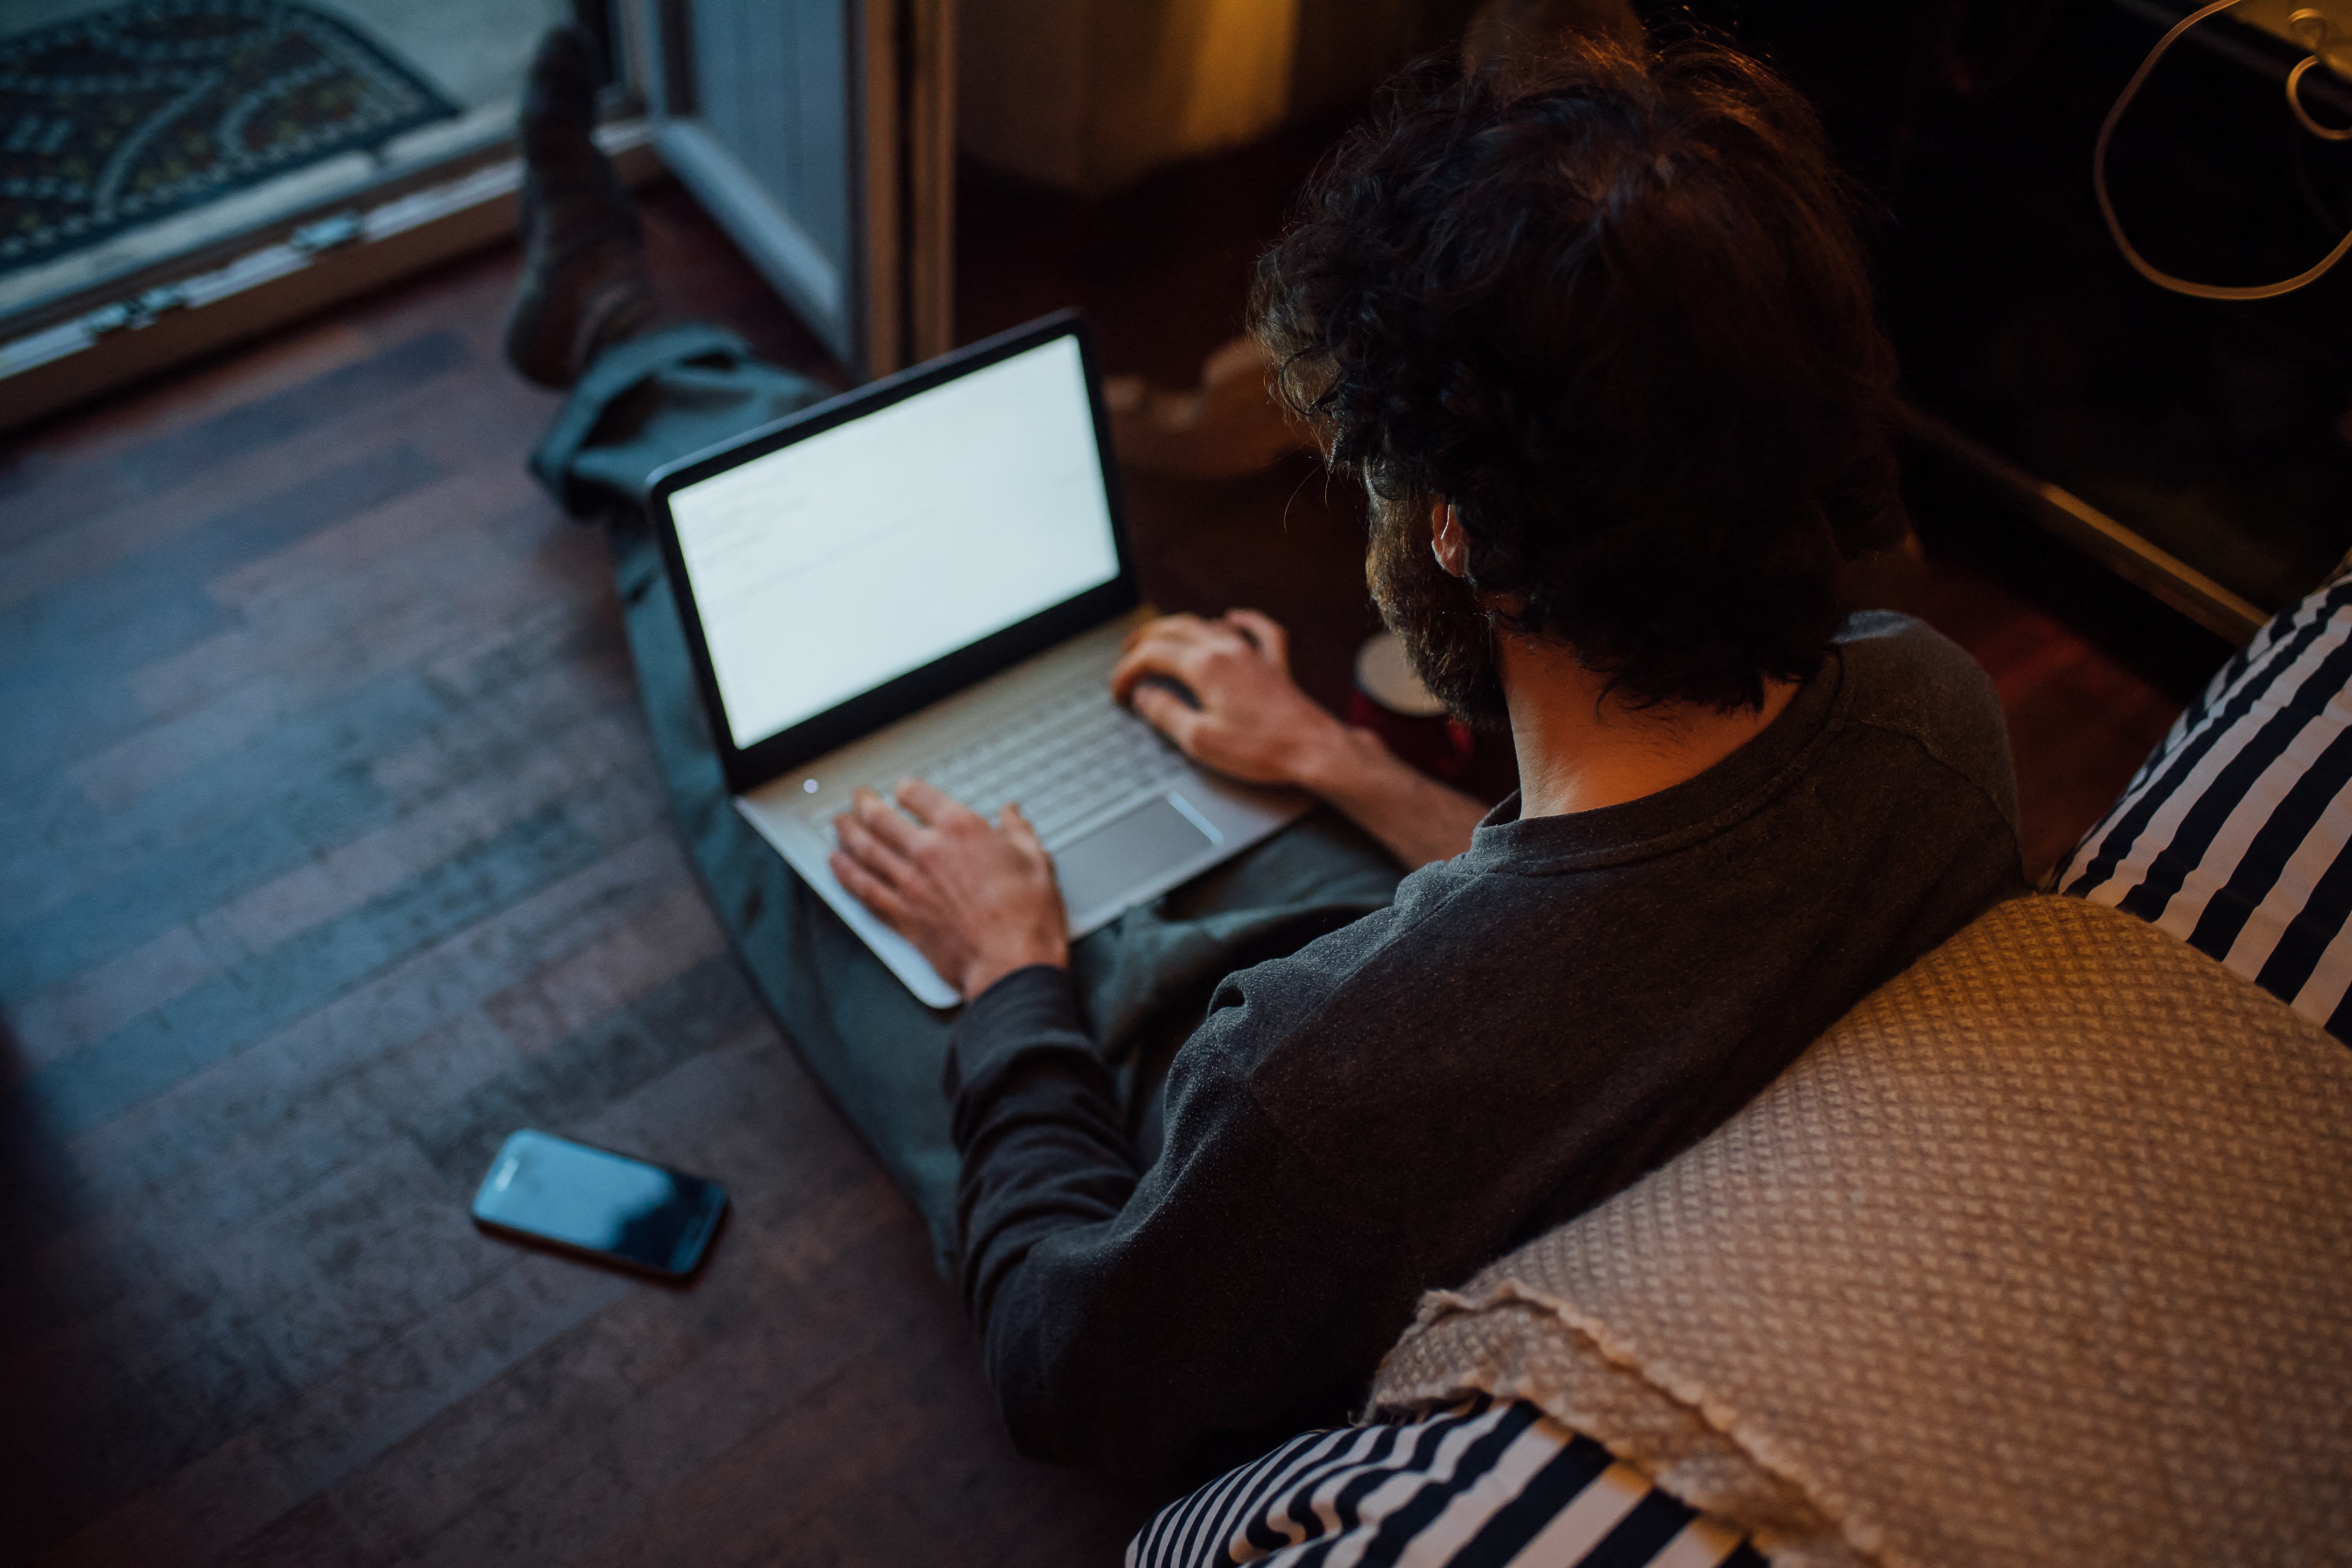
{"type": "Point", "coordinates": [1581, 748]}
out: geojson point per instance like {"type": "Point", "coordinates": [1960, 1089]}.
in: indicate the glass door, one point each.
{"type": "Point", "coordinates": [819, 134]}
{"type": "Point", "coordinates": [175, 178]}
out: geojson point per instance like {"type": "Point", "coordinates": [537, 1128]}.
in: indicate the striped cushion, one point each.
{"type": "Point", "coordinates": [1481, 1484]}
{"type": "Point", "coordinates": [2236, 833]}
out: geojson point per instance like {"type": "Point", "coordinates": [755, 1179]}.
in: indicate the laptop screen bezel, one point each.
{"type": "Point", "coordinates": [746, 768]}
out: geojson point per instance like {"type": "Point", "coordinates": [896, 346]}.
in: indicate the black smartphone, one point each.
{"type": "Point", "coordinates": [600, 1205]}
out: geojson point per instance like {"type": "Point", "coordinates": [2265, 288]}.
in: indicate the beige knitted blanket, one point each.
{"type": "Point", "coordinates": [2043, 1255]}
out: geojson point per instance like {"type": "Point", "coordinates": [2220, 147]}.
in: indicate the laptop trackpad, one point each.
{"type": "Point", "coordinates": [1126, 852]}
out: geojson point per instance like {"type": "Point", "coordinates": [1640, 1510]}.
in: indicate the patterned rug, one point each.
{"type": "Point", "coordinates": [123, 116]}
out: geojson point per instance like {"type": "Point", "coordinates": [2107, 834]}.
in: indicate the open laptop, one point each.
{"type": "Point", "coordinates": [928, 577]}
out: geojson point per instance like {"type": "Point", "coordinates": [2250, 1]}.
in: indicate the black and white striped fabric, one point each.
{"type": "Point", "coordinates": [1478, 1486]}
{"type": "Point", "coordinates": [2236, 833]}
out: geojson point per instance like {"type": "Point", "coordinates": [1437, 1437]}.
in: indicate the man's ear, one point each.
{"type": "Point", "coordinates": [1447, 541]}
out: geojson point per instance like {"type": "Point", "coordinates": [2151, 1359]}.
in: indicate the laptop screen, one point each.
{"type": "Point", "coordinates": [824, 569]}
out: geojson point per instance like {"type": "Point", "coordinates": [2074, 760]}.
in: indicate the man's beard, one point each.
{"type": "Point", "coordinates": [1448, 639]}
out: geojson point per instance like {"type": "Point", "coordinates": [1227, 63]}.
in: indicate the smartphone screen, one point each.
{"type": "Point", "coordinates": [594, 1202]}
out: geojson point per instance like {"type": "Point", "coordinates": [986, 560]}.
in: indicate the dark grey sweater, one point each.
{"type": "Point", "coordinates": [1527, 1029]}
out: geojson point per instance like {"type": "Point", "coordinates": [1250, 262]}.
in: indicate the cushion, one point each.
{"type": "Point", "coordinates": [2236, 833]}
{"type": "Point", "coordinates": [2040, 1256]}
{"type": "Point", "coordinates": [1485, 1483]}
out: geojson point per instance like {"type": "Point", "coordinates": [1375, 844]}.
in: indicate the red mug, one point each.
{"type": "Point", "coordinates": [1389, 701]}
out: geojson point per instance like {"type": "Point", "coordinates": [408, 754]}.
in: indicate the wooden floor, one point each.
{"type": "Point", "coordinates": [333, 851]}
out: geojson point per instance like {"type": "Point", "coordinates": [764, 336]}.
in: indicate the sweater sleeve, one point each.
{"type": "Point", "coordinates": [1037, 1125]}
{"type": "Point", "coordinates": [1129, 1319]}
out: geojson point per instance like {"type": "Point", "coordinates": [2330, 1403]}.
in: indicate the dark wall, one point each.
{"type": "Point", "coordinates": [2215, 429]}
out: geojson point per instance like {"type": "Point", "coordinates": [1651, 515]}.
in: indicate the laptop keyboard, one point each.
{"type": "Point", "coordinates": [1068, 757]}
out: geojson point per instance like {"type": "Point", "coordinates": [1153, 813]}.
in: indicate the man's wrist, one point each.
{"type": "Point", "coordinates": [1338, 763]}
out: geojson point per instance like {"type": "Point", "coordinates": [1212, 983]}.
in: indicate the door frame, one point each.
{"type": "Point", "coordinates": [113, 334]}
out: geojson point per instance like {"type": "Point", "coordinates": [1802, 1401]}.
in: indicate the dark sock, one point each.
{"type": "Point", "coordinates": [583, 285]}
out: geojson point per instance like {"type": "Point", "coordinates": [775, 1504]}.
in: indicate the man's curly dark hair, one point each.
{"type": "Point", "coordinates": [1613, 306]}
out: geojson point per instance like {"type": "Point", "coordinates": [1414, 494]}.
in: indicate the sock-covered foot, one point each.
{"type": "Point", "coordinates": [584, 283]}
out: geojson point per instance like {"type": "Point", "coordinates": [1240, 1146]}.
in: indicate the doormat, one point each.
{"type": "Point", "coordinates": [127, 115]}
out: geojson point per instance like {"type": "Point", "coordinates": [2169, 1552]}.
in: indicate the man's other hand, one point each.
{"type": "Point", "coordinates": [978, 901]}
{"type": "Point", "coordinates": [1252, 722]}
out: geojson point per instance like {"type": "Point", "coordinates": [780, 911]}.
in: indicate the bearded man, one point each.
{"type": "Point", "coordinates": [1594, 331]}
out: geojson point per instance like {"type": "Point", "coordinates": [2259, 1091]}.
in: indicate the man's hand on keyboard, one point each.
{"type": "Point", "coordinates": [1250, 721]}
{"type": "Point", "coordinates": [978, 901]}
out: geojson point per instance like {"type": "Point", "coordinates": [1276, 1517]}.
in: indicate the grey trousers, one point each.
{"type": "Point", "coordinates": [1143, 982]}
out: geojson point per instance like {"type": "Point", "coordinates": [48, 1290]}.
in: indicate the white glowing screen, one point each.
{"type": "Point", "coordinates": [858, 555]}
